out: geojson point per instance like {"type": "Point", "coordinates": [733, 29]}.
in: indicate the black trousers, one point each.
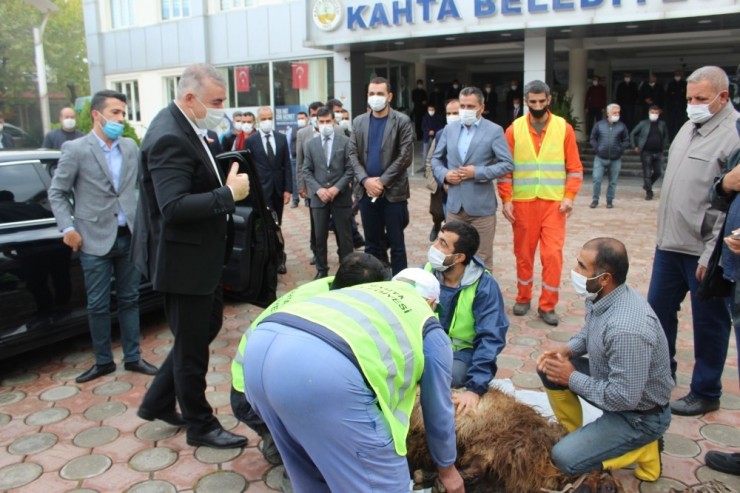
{"type": "Point", "coordinates": [652, 168]}
{"type": "Point", "coordinates": [195, 320]}
{"type": "Point", "coordinates": [342, 230]}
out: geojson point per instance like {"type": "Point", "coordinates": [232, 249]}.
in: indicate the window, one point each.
{"type": "Point", "coordinates": [122, 13]}
{"type": "Point", "coordinates": [170, 88]}
{"type": "Point", "coordinates": [173, 9]}
{"type": "Point", "coordinates": [250, 85]}
{"type": "Point", "coordinates": [22, 194]}
{"type": "Point", "coordinates": [131, 90]}
{"type": "Point", "coordinates": [300, 82]}
{"type": "Point", "coordinates": [236, 4]}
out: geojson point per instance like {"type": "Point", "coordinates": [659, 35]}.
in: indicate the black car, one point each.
{"type": "Point", "coordinates": [42, 292]}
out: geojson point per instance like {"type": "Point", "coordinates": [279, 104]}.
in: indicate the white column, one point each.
{"type": "Point", "coordinates": [537, 56]}
{"type": "Point", "coordinates": [342, 80]}
{"type": "Point", "coordinates": [420, 72]}
{"type": "Point", "coordinates": [577, 71]}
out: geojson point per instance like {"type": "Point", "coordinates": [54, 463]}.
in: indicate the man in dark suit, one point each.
{"type": "Point", "coordinates": [6, 141]}
{"type": "Point", "coordinates": [515, 111]}
{"type": "Point", "coordinates": [271, 153]}
{"type": "Point", "coordinates": [180, 245]}
{"type": "Point", "coordinates": [327, 172]}
{"type": "Point", "coordinates": [272, 156]}
{"type": "Point", "coordinates": [380, 150]}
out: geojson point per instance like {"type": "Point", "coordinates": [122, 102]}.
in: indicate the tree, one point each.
{"type": "Point", "coordinates": [65, 51]}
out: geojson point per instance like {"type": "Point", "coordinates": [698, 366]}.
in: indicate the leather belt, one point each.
{"type": "Point", "coordinates": [652, 410]}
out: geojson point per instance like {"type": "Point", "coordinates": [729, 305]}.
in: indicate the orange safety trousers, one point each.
{"type": "Point", "coordinates": [539, 222]}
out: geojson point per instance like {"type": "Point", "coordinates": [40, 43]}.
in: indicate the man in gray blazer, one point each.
{"type": "Point", "coordinates": [101, 170]}
{"type": "Point", "coordinates": [381, 152]}
{"type": "Point", "coordinates": [327, 172]}
{"type": "Point", "coordinates": [469, 156]}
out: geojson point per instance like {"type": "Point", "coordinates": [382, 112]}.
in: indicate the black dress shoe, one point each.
{"type": "Point", "coordinates": [171, 417]}
{"type": "Point", "coordinates": [321, 275]}
{"type": "Point", "coordinates": [141, 366]}
{"type": "Point", "coordinates": [433, 234]}
{"type": "Point", "coordinates": [282, 269]}
{"type": "Point", "coordinates": [726, 462]}
{"type": "Point", "coordinates": [96, 371]}
{"type": "Point", "coordinates": [218, 438]}
{"type": "Point", "coordinates": [693, 405]}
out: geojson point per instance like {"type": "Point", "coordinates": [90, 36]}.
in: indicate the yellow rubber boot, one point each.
{"type": "Point", "coordinates": [566, 407]}
{"type": "Point", "coordinates": [647, 458]}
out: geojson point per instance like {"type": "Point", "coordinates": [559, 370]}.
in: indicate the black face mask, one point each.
{"type": "Point", "coordinates": [538, 113]}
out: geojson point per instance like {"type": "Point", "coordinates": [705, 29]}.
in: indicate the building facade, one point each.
{"type": "Point", "coordinates": [287, 53]}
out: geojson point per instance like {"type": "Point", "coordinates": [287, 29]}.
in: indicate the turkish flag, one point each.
{"type": "Point", "coordinates": [242, 79]}
{"type": "Point", "coordinates": [300, 76]}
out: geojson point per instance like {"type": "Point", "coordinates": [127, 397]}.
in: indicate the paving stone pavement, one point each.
{"type": "Point", "coordinates": [58, 436]}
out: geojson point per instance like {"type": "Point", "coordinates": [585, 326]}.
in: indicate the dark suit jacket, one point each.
{"type": "Point", "coordinates": [339, 173]}
{"type": "Point", "coordinates": [398, 139]}
{"type": "Point", "coordinates": [180, 239]}
{"type": "Point", "coordinates": [278, 177]}
{"type": "Point", "coordinates": [8, 142]}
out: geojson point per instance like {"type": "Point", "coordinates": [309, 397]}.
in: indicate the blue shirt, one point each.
{"type": "Point", "coordinates": [114, 158]}
{"type": "Point", "coordinates": [466, 136]}
{"type": "Point", "coordinates": [375, 146]}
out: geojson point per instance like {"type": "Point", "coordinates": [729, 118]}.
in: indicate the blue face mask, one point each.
{"type": "Point", "coordinates": [112, 130]}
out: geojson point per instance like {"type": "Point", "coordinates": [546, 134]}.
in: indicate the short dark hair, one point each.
{"type": "Point", "coordinates": [324, 111]}
{"type": "Point", "coordinates": [359, 268]}
{"type": "Point", "coordinates": [655, 107]}
{"type": "Point", "coordinates": [473, 91]}
{"type": "Point", "coordinates": [381, 80]}
{"type": "Point", "coordinates": [611, 257]}
{"type": "Point", "coordinates": [334, 102]}
{"type": "Point", "coordinates": [468, 239]}
{"type": "Point", "coordinates": [302, 113]}
{"type": "Point", "coordinates": [249, 113]}
{"type": "Point", "coordinates": [315, 105]}
{"type": "Point", "coordinates": [100, 98]}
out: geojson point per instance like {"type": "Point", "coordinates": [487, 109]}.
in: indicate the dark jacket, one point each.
{"type": "Point", "coordinates": [610, 140]}
{"type": "Point", "coordinates": [7, 140]}
{"type": "Point", "coordinates": [436, 123]}
{"type": "Point", "coordinates": [639, 134]}
{"type": "Point", "coordinates": [277, 177]}
{"type": "Point", "coordinates": [726, 202]}
{"type": "Point", "coordinates": [180, 239]}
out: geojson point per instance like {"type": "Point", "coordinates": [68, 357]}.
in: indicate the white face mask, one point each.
{"type": "Point", "coordinates": [314, 122]}
{"type": "Point", "coordinates": [266, 126]}
{"type": "Point", "coordinates": [302, 123]}
{"type": "Point", "coordinates": [595, 82]}
{"type": "Point", "coordinates": [488, 90]}
{"type": "Point", "coordinates": [627, 79]}
{"type": "Point", "coordinates": [247, 128]}
{"type": "Point", "coordinates": [677, 78]}
{"type": "Point", "coordinates": [651, 84]}
{"type": "Point", "coordinates": [455, 86]}
{"type": "Point", "coordinates": [338, 117]}
{"type": "Point", "coordinates": [579, 284]}
{"type": "Point", "coordinates": [345, 123]}
{"type": "Point", "coordinates": [377, 103]}
{"type": "Point", "coordinates": [452, 119]}
{"type": "Point", "coordinates": [514, 88]}
{"type": "Point", "coordinates": [699, 113]}
{"type": "Point", "coordinates": [614, 118]}
{"type": "Point", "coordinates": [431, 112]}
{"type": "Point", "coordinates": [653, 117]}
{"type": "Point", "coordinates": [212, 120]}
{"type": "Point", "coordinates": [436, 259]}
{"type": "Point", "coordinates": [468, 117]}
{"type": "Point", "coordinates": [69, 123]}
{"type": "Point", "coordinates": [237, 126]}
{"type": "Point", "coordinates": [326, 130]}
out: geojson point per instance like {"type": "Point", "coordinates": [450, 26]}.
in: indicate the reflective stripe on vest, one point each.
{"type": "Point", "coordinates": [382, 323]}
{"type": "Point", "coordinates": [539, 175]}
{"type": "Point", "coordinates": [462, 325]}
{"type": "Point", "coordinates": [298, 294]}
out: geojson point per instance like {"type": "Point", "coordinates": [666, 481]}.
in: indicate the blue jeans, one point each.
{"type": "Point", "coordinates": [610, 166]}
{"type": "Point", "coordinates": [674, 274]}
{"type": "Point", "coordinates": [611, 435]}
{"type": "Point", "coordinates": [324, 418]}
{"type": "Point", "coordinates": [295, 180]}
{"type": "Point", "coordinates": [99, 271]}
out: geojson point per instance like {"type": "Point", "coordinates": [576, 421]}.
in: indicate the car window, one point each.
{"type": "Point", "coordinates": [22, 194]}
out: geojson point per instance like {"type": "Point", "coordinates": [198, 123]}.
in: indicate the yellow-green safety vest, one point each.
{"type": "Point", "coordinates": [383, 324]}
{"type": "Point", "coordinates": [462, 325]}
{"type": "Point", "coordinates": [539, 175]}
{"type": "Point", "coordinates": [298, 294]}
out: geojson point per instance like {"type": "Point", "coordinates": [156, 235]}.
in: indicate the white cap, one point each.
{"type": "Point", "coordinates": [425, 283]}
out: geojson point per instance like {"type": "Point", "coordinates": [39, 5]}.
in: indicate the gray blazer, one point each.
{"type": "Point", "coordinates": [397, 154]}
{"type": "Point", "coordinates": [304, 136]}
{"type": "Point", "coordinates": [490, 154]}
{"type": "Point", "coordinates": [338, 174]}
{"type": "Point", "coordinates": [83, 170]}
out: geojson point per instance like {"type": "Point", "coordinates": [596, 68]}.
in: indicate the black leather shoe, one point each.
{"type": "Point", "coordinates": [95, 372]}
{"type": "Point", "coordinates": [320, 275]}
{"type": "Point", "coordinates": [726, 462]}
{"type": "Point", "coordinates": [282, 269]}
{"type": "Point", "coordinates": [693, 405]}
{"type": "Point", "coordinates": [433, 234]}
{"type": "Point", "coordinates": [141, 366]}
{"type": "Point", "coordinates": [609, 205]}
{"type": "Point", "coordinates": [171, 417]}
{"type": "Point", "coordinates": [594, 204]}
{"type": "Point", "coordinates": [270, 450]}
{"type": "Point", "coordinates": [218, 438]}
{"type": "Point", "coordinates": [649, 195]}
